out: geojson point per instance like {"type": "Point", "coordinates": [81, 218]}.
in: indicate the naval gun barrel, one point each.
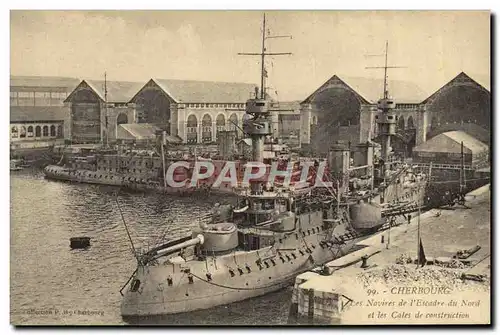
{"type": "Point", "coordinates": [194, 241]}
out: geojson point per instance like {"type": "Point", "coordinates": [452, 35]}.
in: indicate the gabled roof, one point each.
{"type": "Point", "coordinates": [286, 106]}
{"type": "Point", "coordinates": [140, 131]}
{"type": "Point", "coordinates": [451, 142]}
{"type": "Point", "coordinates": [462, 77]}
{"type": "Point", "coordinates": [478, 132]}
{"type": "Point", "coordinates": [192, 91]}
{"type": "Point", "coordinates": [469, 142]}
{"type": "Point", "coordinates": [371, 90]}
{"type": "Point", "coordinates": [401, 91]}
{"type": "Point", "coordinates": [118, 91]}
{"type": "Point", "coordinates": [44, 81]}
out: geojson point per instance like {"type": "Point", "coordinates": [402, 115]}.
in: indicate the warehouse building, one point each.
{"type": "Point", "coordinates": [195, 111]}
{"type": "Point", "coordinates": [446, 148]}
{"type": "Point", "coordinates": [38, 116]}
{"type": "Point", "coordinates": [98, 108]}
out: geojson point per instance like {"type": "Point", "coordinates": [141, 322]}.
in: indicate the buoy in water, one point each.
{"type": "Point", "coordinates": [79, 242]}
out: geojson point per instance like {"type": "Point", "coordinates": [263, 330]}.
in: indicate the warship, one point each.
{"type": "Point", "coordinates": [273, 234]}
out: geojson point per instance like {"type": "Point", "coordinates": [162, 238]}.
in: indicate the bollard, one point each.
{"type": "Point", "coordinates": [409, 218]}
{"type": "Point", "coordinates": [364, 263]}
{"type": "Point", "coordinates": [382, 239]}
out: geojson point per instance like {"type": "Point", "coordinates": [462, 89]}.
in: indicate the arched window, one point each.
{"type": "Point", "coordinates": [233, 121]}
{"type": "Point", "coordinates": [192, 129]}
{"type": "Point", "coordinates": [122, 118]}
{"type": "Point", "coordinates": [14, 132]}
{"type": "Point", "coordinates": [45, 131]}
{"type": "Point", "coordinates": [206, 132]}
{"type": "Point", "coordinates": [410, 123]}
{"type": "Point", "coordinates": [401, 123]}
{"type": "Point", "coordinates": [220, 123]}
{"type": "Point", "coordinates": [30, 131]}
{"type": "Point", "coordinates": [53, 131]}
{"type": "Point", "coordinates": [59, 131]}
{"type": "Point", "coordinates": [23, 132]}
{"type": "Point", "coordinates": [38, 131]}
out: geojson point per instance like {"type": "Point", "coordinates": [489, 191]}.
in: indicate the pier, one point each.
{"type": "Point", "coordinates": [381, 284]}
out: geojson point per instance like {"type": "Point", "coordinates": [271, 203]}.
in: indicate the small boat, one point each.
{"type": "Point", "coordinates": [15, 165]}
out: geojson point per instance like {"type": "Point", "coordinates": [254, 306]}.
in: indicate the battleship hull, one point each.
{"type": "Point", "coordinates": [55, 172]}
{"type": "Point", "coordinates": [177, 286]}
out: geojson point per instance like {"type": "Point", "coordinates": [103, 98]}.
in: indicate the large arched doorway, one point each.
{"type": "Point", "coordinates": [336, 114]}
{"type": "Point", "coordinates": [461, 103]}
{"type": "Point", "coordinates": [153, 106]}
{"type": "Point", "coordinates": [86, 123]}
{"type": "Point", "coordinates": [206, 131]}
{"type": "Point", "coordinates": [220, 122]}
{"type": "Point", "coordinates": [192, 129]}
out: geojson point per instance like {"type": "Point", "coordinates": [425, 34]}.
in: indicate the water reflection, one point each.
{"type": "Point", "coordinates": [46, 273]}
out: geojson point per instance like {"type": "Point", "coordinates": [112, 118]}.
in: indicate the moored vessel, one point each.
{"type": "Point", "coordinates": [272, 233]}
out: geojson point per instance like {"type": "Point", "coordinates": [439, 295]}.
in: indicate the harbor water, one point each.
{"type": "Point", "coordinates": [51, 284]}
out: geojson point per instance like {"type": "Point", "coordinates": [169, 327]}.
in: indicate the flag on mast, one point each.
{"type": "Point", "coordinates": [421, 254]}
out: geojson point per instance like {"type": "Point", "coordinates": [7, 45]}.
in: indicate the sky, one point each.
{"type": "Point", "coordinates": [433, 47]}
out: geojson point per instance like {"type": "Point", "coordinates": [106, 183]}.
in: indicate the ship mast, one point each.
{"type": "Point", "coordinates": [258, 126]}
{"type": "Point", "coordinates": [106, 110]}
{"type": "Point", "coordinates": [387, 119]}
{"type": "Point", "coordinates": [263, 54]}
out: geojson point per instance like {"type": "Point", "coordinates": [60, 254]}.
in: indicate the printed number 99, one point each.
{"type": "Point", "coordinates": [371, 292]}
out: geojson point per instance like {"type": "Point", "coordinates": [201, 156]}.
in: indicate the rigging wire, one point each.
{"type": "Point", "coordinates": [480, 261]}
{"type": "Point", "coordinates": [238, 288]}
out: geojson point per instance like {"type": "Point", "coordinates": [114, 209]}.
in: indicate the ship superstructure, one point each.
{"type": "Point", "coordinates": [272, 234]}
